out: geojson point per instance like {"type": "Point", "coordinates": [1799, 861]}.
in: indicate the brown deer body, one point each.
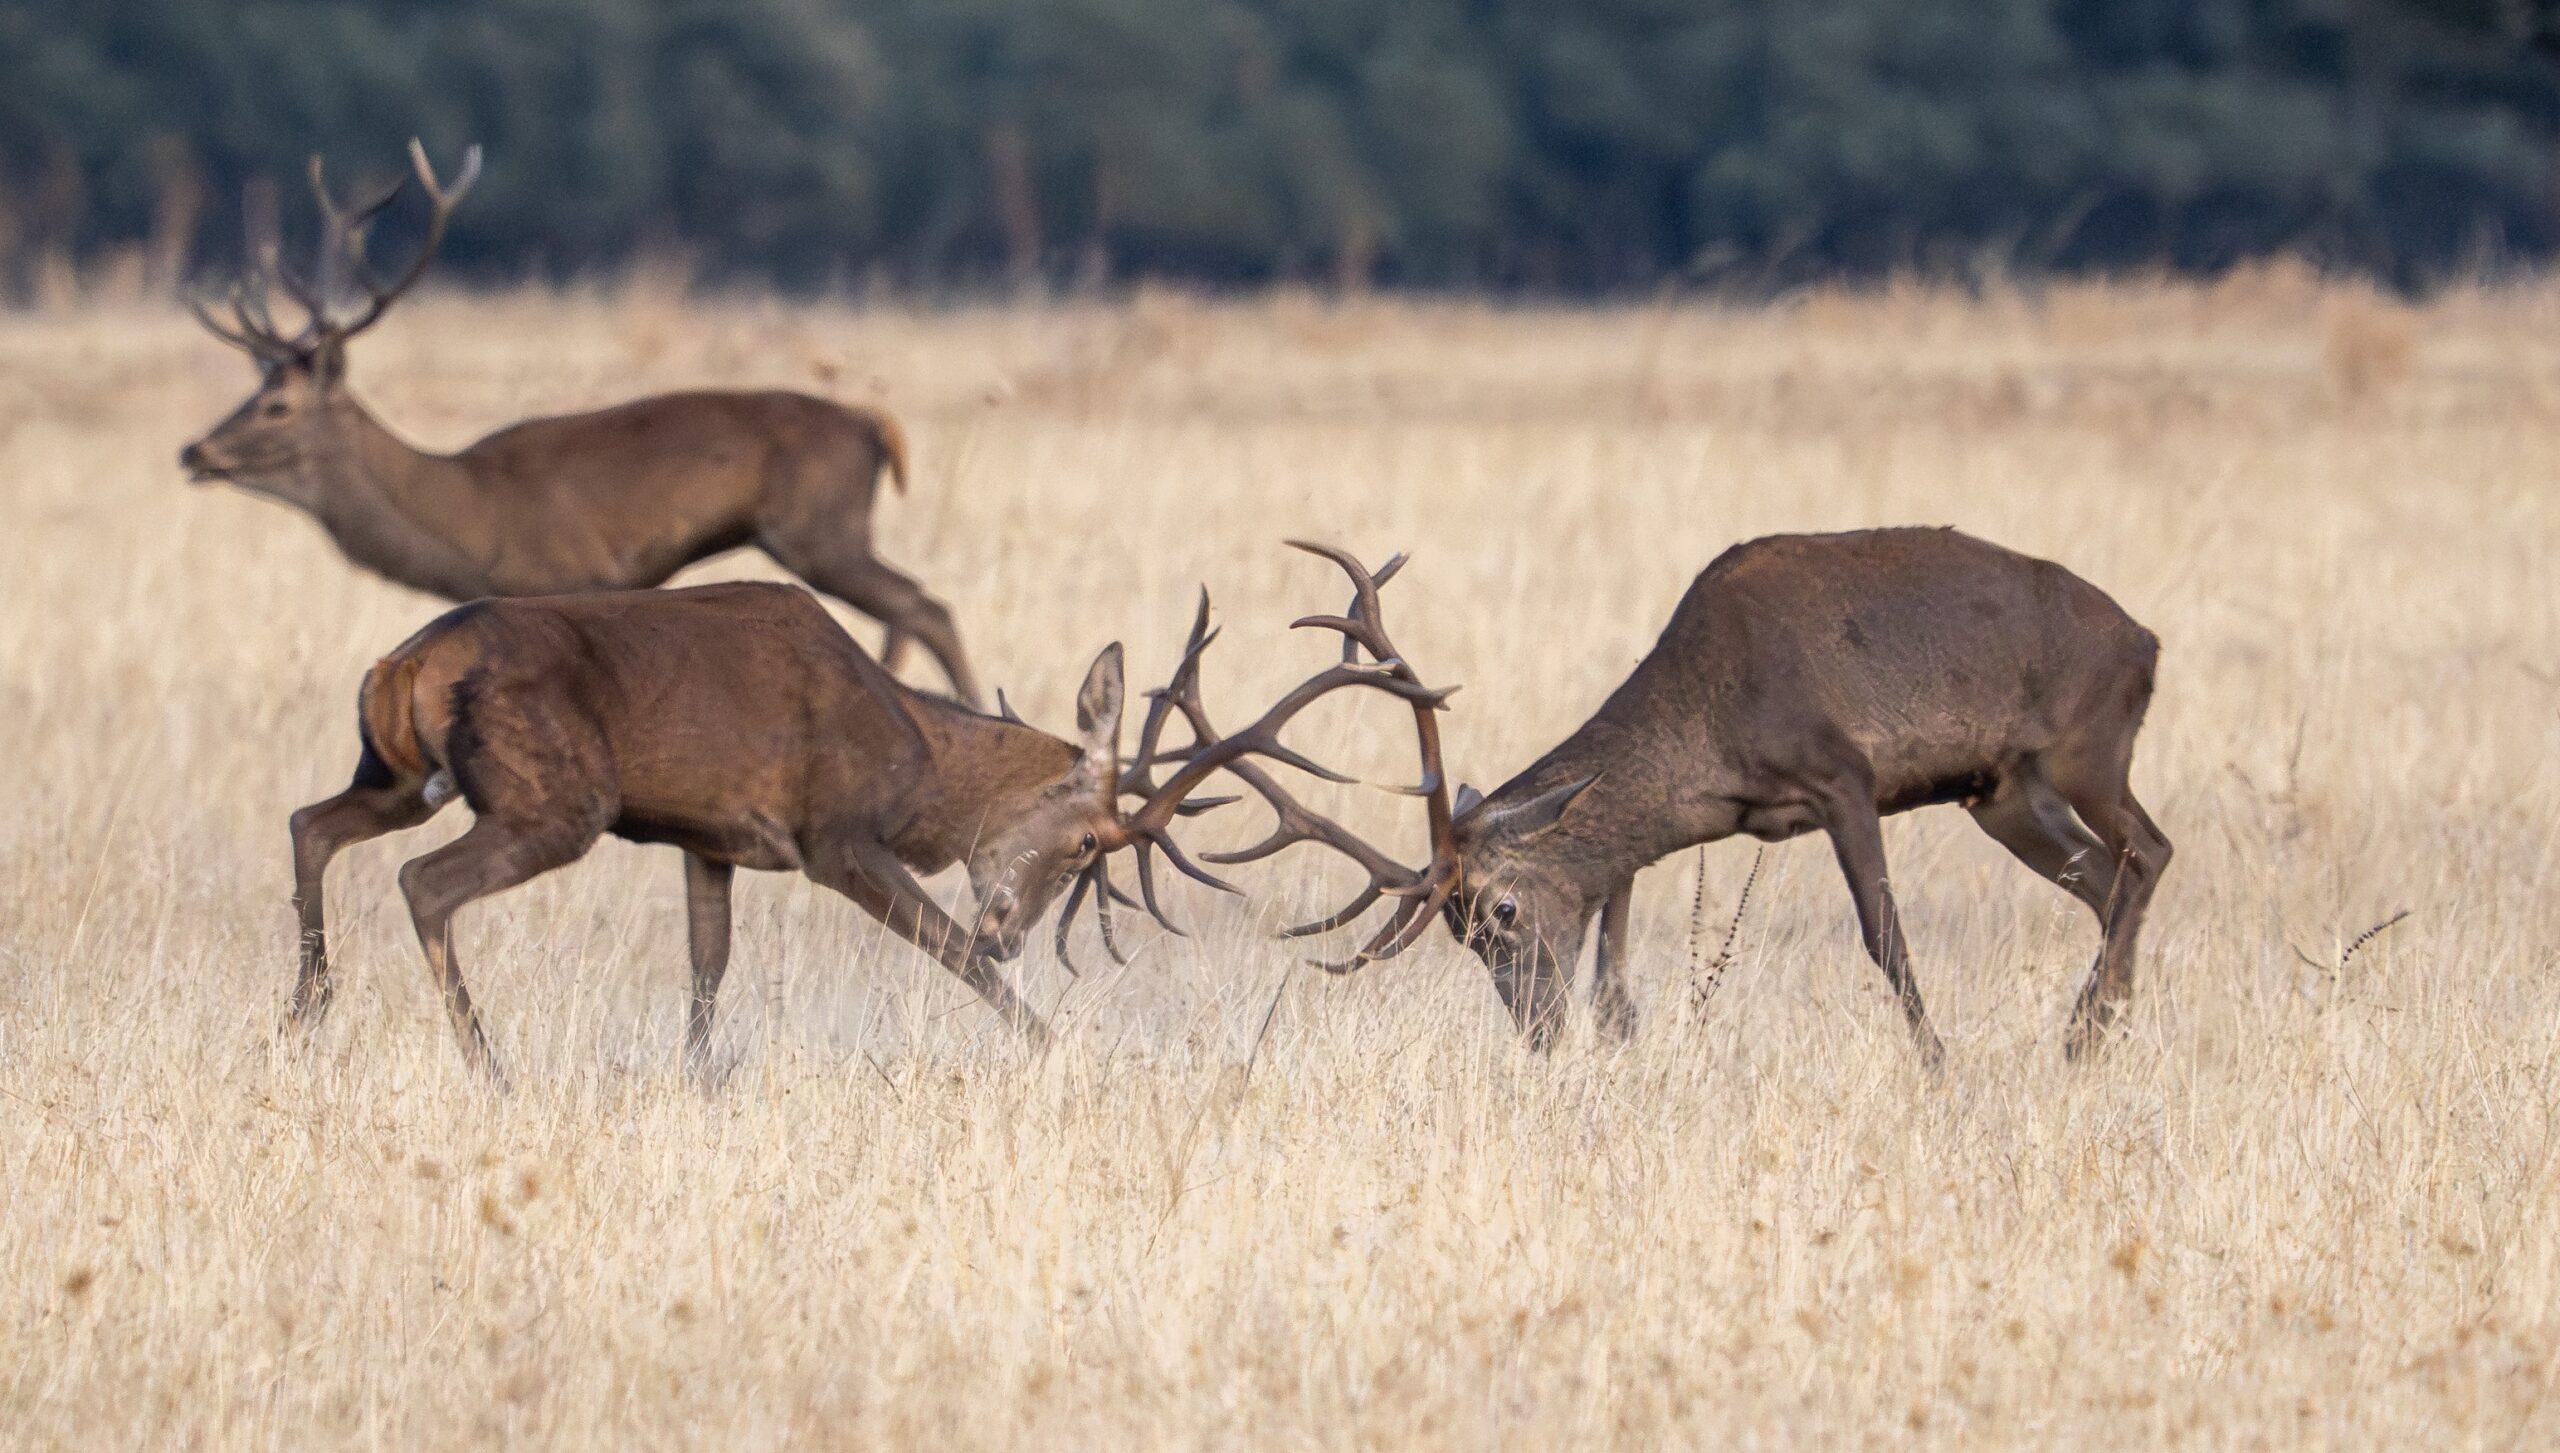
{"type": "Point", "coordinates": [618, 499]}
{"type": "Point", "coordinates": [1804, 683]}
{"type": "Point", "coordinates": [736, 722]}
{"type": "Point", "coordinates": [740, 724]}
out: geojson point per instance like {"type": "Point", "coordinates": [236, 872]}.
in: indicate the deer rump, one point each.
{"type": "Point", "coordinates": [618, 713]}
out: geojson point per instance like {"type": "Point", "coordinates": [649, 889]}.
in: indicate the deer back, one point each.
{"type": "Point", "coordinates": [1927, 655]}
{"type": "Point", "coordinates": [701, 716]}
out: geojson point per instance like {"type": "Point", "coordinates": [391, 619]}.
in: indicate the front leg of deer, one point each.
{"type": "Point", "coordinates": [1610, 1007]}
{"type": "Point", "coordinates": [884, 888]}
{"type": "Point", "coordinates": [1857, 837]}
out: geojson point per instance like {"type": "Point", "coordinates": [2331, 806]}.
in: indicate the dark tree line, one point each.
{"type": "Point", "coordinates": [1540, 144]}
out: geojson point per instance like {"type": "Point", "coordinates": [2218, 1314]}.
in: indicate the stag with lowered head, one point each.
{"type": "Point", "coordinates": [741, 725]}
{"type": "Point", "coordinates": [618, 499]}
{"type": "Point", "coordinates": [1805, 682]}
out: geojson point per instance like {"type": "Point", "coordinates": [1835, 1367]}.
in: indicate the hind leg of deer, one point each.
{"type": "Point", "coordinates": [2140, 851]}
{"type": "Point", "coordinates": [495, 855]}
{"type": "Point", "coordinates": [884, 593]}
{"type": "Point", "coordinates": [367, 810]}
{"type": "Point", "coordinates": [2029, 817]}
{"type": "Point", "coordinates": [893, 649]}
{"type": "Point", "coordinates": [1611, 1009]}
{"type": "Point", "coordinates": [1848, 812]}
{"type": "Point", "coordinates": [706, 902]}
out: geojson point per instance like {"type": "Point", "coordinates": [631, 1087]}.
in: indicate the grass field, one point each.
{"type": "Point", "coordinates": [2290, 1208]}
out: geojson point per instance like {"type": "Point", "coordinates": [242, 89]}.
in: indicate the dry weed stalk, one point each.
{"type": "Point", "coordinates": [1708, 977]}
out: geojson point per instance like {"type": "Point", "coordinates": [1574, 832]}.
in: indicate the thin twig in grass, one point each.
{"type": "Point", "coordinates": [1259, 1035]}
{"type": "Point", "coordinates": [2347, 955]}
{"type": "Point", "coordinates": [1709, 977]}
{"type": "Point", "coordinates": [867, 1058]}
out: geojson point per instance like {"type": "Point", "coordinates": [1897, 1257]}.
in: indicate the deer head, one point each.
{"type": "Point", "coordinates": [1018, 867]}
{"type": "Point", "coordinates": [287, 439]}
{"type": "Point", "coordinates": [1512, 907]}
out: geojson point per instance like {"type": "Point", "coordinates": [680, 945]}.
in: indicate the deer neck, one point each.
{"type": "Point", "coordinates": [985, 771]}
{"type": "Point", "coordinates": [1650, 796]}
{"type": "Point", "coordinates": [398, 510]}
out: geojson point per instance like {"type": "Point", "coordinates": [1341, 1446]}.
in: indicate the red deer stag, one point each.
{"type": "Point", "coordinates": [740, 724]}
{"type": "Point", "coordinates": [1805, 682]}
{"type": "Point", "coordinates": [618, 499]}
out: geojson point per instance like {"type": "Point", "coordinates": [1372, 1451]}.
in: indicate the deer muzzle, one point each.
{"type": "Point", "coordinates": [201, 467]}
{"type": "Point", "coordinates": [996, 935]}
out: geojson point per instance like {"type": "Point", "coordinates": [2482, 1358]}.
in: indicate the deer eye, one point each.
{"type": "Point", "coordinates": [1506, 911]}
{"type": "Point", "coordinates": [1087, 845]}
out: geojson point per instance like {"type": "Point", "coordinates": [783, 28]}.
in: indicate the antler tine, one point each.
{"type": "Point", "coordinates": [1147, 888]}
{"type": "Point", "coordinates": [249, 305]}
{"type": "Point", "coordinates": [1102, 898]}
{"type": "Point", "coordinates": [1362, 624]}
{"type": "Point", "coordinates": [442, 198]}
{"type": "Point", "coordinates": [1095, 880]}
{"type": "Point", "coordinates": [251, 330]}
{"type": "Point", "coordinates": [1137, 776]}
{"type": "Point", "coordinates": [1411, 918]}
{"type": "Point", "coordinates": [244, 333]}
{"type": "Point", "coordinates": [1342, 917]}
{"type": "Point", "coordinates": [1174, 854]}
{"type": "Point", "coordinates": [1377, 579]}
{"type": "Point", "coordinates": [342, 239]}
{"type": "Point", "coordinates": [1067, 920]}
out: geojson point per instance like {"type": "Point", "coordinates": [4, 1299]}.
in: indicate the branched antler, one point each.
{"type": "Point", "coordinates": [1363, 629]}
{"type": "Point", "coordinates": [350, 226]}
{"type": "Point", "coordinates": [342, 266]}
{"type": "Point", "coordinates": [343, 230]}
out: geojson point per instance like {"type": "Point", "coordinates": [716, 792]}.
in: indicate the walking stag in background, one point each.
{"type": "Point", "coordinates": [742, 725]}
{"type": "Point", "coordinates": [1805, 682]}
{"type": "Point", "coordinates": [618, 499]}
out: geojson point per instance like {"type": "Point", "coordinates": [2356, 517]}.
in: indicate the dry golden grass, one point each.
{"type": "Point", "coordinates": [2288, 1209]}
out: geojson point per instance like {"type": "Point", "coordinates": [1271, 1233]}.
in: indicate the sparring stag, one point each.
{"type": "Point", "coordinates": [1806, 682]}
{"type": "Point", "coordinates": [740, 724]}
{"type": "Point", "coordinates": [618, 499]}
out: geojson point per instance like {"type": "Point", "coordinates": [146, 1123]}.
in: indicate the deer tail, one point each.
{"type": "Point", "coordinates": [892, 441]}
{"type": "Point", "coordinates": [387, 716]}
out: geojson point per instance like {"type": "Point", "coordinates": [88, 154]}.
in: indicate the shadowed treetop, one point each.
{"type": "Point", "coordinates": [1471, 143]}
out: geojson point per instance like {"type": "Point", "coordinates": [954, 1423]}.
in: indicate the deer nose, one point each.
{"type": "Point", "coordinates": [999, 907]}
{"type": "Point", "coordinates": [191, 457]}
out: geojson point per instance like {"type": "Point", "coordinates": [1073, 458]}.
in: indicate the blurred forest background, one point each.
{"type": "Point", "coordinates": [1597, 147]}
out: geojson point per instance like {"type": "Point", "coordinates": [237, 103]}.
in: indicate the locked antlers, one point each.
{"type": "Point", "coordinates": [1363, 631]}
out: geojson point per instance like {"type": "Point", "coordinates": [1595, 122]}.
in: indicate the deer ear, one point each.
{"type": "Point", "coordinates": [1098, 715]}
{"type": "Point", "coordinates": [1538, 813]}
{"type": "Point", "coordinates": [1469, 799]}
